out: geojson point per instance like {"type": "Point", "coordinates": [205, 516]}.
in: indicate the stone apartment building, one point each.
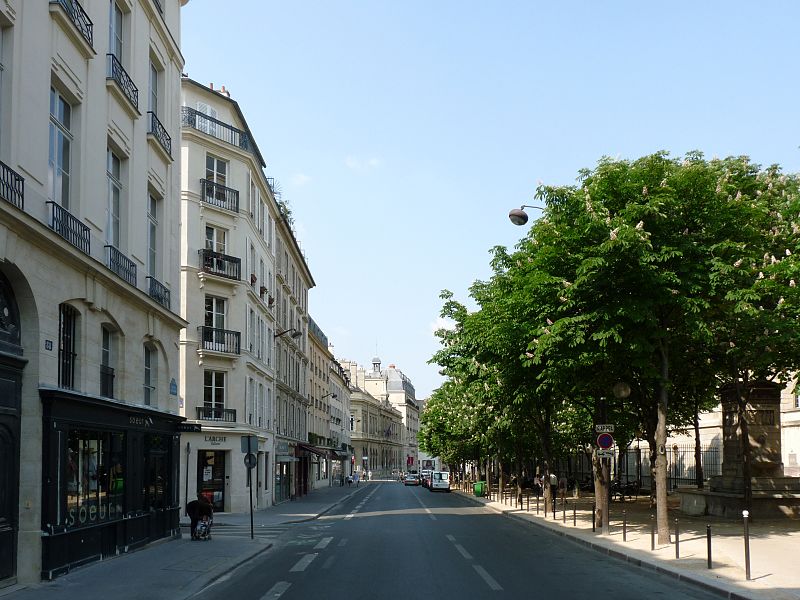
{"type": "Point", "coordinates": [245, 287]}
{"type": "Point", "coordinates": [89, 282]}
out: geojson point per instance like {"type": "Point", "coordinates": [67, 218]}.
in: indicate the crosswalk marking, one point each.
{"type": "Point", "coordinates": [276, 591]}
{"type": "Point", "coordinates": [323, 543]}
{"type": "Point", "coordinates": [303, 563]}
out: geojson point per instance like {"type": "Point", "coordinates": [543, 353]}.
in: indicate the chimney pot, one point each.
{"type": "Point", "coordinates": [211, 85]}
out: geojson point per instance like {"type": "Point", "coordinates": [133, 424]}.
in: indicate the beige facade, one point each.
{"type": "Point", "coordinates": [89, 279]}
{"type": "Point", "coordinates": [376, 428]}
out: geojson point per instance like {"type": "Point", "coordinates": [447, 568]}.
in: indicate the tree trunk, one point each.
{"type": "Point", "coordinates": [698, 452]}
{"type": "Point", "coordinates": [662, 516]}
{"type": "Point", "coordinates": [600, 469]}
{"type": "Point", "coordinates": [742, 397]}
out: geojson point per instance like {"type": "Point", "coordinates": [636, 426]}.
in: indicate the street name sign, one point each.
{"type": "Point", "coordinates": [605, 453]}
{"type": "Point", "coordinates": [604, 428]}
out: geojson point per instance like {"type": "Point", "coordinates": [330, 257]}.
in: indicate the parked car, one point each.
{"type": "Point", "coordinates": [425, 476]}
{"type": "Point", "coordinates": [411, 479]}
{"type": "Point", "coordinates": [440, 480]}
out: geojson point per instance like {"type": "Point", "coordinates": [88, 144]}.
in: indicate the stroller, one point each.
{"type": "Point", "coordinates": [203, 529]}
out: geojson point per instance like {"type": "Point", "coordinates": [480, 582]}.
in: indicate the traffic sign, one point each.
{"type": "Point", "coordinates": [604, 428]}
{"type": "Point", "coordinates": [605, 441]}
{"type": "Point", "coordinates": [605, 453]}
{"type": "Point", "coordinates": [250, 460]}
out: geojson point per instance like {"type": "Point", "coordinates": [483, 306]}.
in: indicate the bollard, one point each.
{"type": "Point", "coordinates": [553, 500]}
{"type": "Point", "coordinates": [537, 504]}
{"type": "Point", "coordinates": [594, 508]}
{"type": "Point", "coordinates": [746, 516]}
{"type": "Point", "coordinates": [575, 514]}
{"type": "Point", "coordinates": [652, 533]}
{"type": "Point", "coordinates": [677, 539]}
{"type": "Point", "coordinates": [708, 544]}
{"type": "Point", "coordinates": [564, 513]}
{"type": "Point", "coordinates": [529, 503]}
{"type": "Point", "coordinates": [624, 527]}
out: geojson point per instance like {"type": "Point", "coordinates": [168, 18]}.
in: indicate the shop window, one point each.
{"type": "Point", "coordinates": [94, 476]}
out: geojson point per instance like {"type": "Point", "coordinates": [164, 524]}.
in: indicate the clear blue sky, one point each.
{"type": "Point", "coordinates": [402, 132]}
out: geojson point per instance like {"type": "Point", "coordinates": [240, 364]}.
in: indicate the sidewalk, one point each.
{"type": "Point", "coordinates": [774, 545]}
{"type": "Point", "coordinates": [176, 568]}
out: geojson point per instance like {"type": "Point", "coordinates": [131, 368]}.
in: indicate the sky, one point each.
{"type": "Point", "coordinates": [401, 132]}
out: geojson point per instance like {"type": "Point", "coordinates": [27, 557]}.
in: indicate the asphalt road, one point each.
{"type": "Point", "coordinates": [391, 541]}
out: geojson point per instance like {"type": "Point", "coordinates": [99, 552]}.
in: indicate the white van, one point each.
{"type": "Point", "coordinates": [440, 480]}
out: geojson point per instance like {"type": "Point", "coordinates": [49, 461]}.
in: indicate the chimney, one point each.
{"type": "Point", "coordinates": [225, 92]}
{"type": "Point", "coordinates": [211, 86]}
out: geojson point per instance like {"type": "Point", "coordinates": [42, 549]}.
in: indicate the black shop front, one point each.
{"type": "Point", "coordinates": [110, 479]}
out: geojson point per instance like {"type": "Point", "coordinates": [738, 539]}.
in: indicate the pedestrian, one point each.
{"type": "Point", "coordinates": [369, 475]}
{"type": "Point", "coordinates": [537, 485]}
{"type": "Point", "coordinates": [349, 481]}
{"type": "Point", "coordinates": [356, 478]}
{"type": "Point", "coordinates": [562, 488]}
{"type": "Point", "coordinates": [205, 513]}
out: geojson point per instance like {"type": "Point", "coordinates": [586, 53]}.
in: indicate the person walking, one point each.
{"type": "Point", "coordinates": [356, 478]}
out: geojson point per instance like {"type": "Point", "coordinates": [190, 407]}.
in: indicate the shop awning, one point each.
{"type": "Point", "coordinates": [284, 458]}
{"type": "Point", "coordinates": [340, 454]}
{"type": "Point", "coordinates": [313, 449]}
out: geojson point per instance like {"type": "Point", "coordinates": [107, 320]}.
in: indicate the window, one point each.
{"type": "Point", "coordinates": [208, 126]}
{"type": "Point", "coordinates": [214, 393]}
{"type": "Point", "coordinates": [60, 145]}
{"type": "Point", "coordinates": [216, 239]}
{"type": "Point", "coordinates": [115, 31]}
{"type": "Point", "coordinates": [107, 362]}
{"type": "Point", "coordinates": [216, 170]}
{"type": "Point", "coordinates": [67, 320]}
{"type": "Point", "coordinates": [113, 172]}
{"type": "Point", "coordinates": [215, 312]}
{"type": "Point", "coordinates": [153, 100]}
{"type": "Point", "coordinates": [152, 235]}
{"type": "Point", "coordinates": [150, 375]}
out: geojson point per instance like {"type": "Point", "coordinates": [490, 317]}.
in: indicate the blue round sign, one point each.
{"type": "Point", "coordinates": [605, 441]}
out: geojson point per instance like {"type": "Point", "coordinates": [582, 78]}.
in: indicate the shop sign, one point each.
{"type": "Point", "coordinates": [282, 447]}
{"type": "Point", "coordinates": [88, 515]}
{"type": "Point", "coordinates": [215, 440]}
{"type": "Point", "coordinates": [140, 421]}
{"type": "Point", "coordinates": [189, 427]}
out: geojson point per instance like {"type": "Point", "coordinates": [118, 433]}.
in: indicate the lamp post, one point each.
{"type": "Point", "coordinates": [518, 216]}
{"type": "Point", "coordinates": [294, 333]}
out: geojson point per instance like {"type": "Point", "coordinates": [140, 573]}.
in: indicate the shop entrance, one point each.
{"type": "Point", "coordinates": [8, 498]}
{"type": "Point", "coordinates": [211, 477]}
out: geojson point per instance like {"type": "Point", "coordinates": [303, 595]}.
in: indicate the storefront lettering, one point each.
{"type": "Point", "coordinates": [92, 514]}
{"type": "Point", "coordinates": [142, 421]}
{"type": "Point", "coordinates": [215, 440]}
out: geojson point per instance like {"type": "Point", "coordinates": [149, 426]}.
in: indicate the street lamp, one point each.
{"type": "Point", "coordinates": [331, 394]}
{"type": "Point", "coordinates": [518, 216]}
{"type": "Point", "coordinates": [294, 333]}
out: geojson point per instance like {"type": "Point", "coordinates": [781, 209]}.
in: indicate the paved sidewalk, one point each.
{"type": "Point", "coordinates": [176, 568]}
{"type": "Point", "coordinates": [774, 545]}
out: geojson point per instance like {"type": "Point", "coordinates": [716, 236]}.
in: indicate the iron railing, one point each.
{"type": "Point", "coordinates": [220, 264]}
{"type": "Point", "coordinates": [160, 132]}
{"type": "Point", "coordinates": [118, 73]}
{"type": "Point", "coordinates": [121, 264]}
{"type": "Point", "coordinates": [158, 291]}
{"type": "Point", "coordinates": [212, 413]}
{"type": "Point", "coordinates": [106, 381]}
{"type": "Point", "coordinates": [216, 128]}
{"type": "Point", "coordinates": [12, 186]}
{"type": "Point", "coordinates": [158, 6]}
{"type": "Point", "coordinates": [219, 195]}
{"type": "Point", "coordinates": [79, 17]}
{"type": "Point", "coordinates": [69, 227]}
{"type": "Point", "coordinates": [219, 340]}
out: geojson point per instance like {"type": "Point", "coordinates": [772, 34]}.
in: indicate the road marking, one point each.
{"type": "Point", "coordinates": [328, 562]}
{"type": "Point", "coordinates": [323, 543]}
{"type": "Point", "coordinates": [342, 543]}
{"type": "Point", "coordinates": [490, 581]}
{"type": "Point", "coordinates": [303, 563]}
{"type": "Point", "coordinates": [276, 591]}
{"type": "Point", "coordinates": [451, 538]}
{"type": "Point", "coordinates": [463, 552]}
{"type": "Point", "coordinates": [348, 517]}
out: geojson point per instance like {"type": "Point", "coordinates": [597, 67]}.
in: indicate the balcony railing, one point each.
{"type": "Point", "coordinates": [160, 132]}
{"type": "Point", "coordinates": [121, 264]}
{"type": "Point", "coordinates": [106, 381]}
{"type": "Point", "coordinates": [158, 292]}
{"type": "Point", "coordinates": [220, 264]}
{"type": "Point", "coordinates": [12, 186]}
{"type": "Point", "coordinates": [219, 195]}
{"type": "Point", "coordinates": [213, 127]}
{"type": "Point", "coordinates": [211, 413]}
{"type": "Point", "coordinates": [79, 18]}
{"type": "Point", "coordinates": [69, 227]}
{"type": "Point", "coordinates": [123, 80]}
{"type": "Point", "coordinates": [219, 340]}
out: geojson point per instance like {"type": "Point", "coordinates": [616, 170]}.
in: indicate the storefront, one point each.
{"type": "Point", "coordinates": [211, 477]}
{"type": "Point", "coordinates": [110, 479]}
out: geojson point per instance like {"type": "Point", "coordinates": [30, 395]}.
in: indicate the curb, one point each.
{"type": "Point", "coordinates": [714, 587]}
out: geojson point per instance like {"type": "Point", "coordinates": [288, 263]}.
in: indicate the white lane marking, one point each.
{"type": "Point", "coordinates": [328, 562]}
{"type": "Point", "coordinates": [348, 517]}
{"type": "Point", "coordinates": [323, 543]}
{"type": "Point", "coordinates": [463, 552]}
{"type": "Point", "coordinates": [342, 543]}
{"type": "Point", "coordinates": [276, 591]}
{"type": "Point", "coordinates": [451, 538]}
{"type": "Point", "coordinates": [303, 563]}
{"type": "Point", "coordinates": [490, 581]}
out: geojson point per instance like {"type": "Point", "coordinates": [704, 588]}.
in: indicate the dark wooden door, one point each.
{"type": "Point", "coordinates": [8, 497]}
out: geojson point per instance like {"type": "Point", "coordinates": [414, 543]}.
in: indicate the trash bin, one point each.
{"type": "Point", "coordinates": [478, 488]}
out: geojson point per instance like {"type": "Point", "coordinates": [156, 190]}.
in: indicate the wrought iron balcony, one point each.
{"type": "Point", "coordinates": [106, 381]}
{"type": "Point", "coordinates": [211, 413]}
{"type": "Point", "coordinates": [219, 340]}
{"type": "Point", "coordinates": [219, 195]}
{"type": "Point", "coordinates": [220, 264]}
{"type": "Point", "coordinates": [12, 186]}
{"type": "Point", "coordinates": [160, 133]}
{"type": "Point", "coordinates": [69, 227]}
{"type": "Point", "coordinates": [123, 80]}
{"type": "Point", "coordinates": [213, 127]}
{"type": "Point", "coordinates": [121, 264]}
{"type": "Point", "coordinates": [158, 291]}
{"type": "Point", "coordinates": [79, 17]}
